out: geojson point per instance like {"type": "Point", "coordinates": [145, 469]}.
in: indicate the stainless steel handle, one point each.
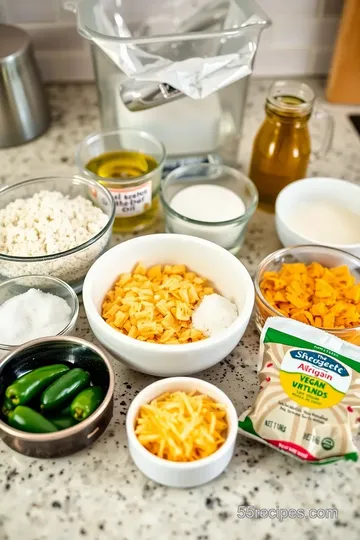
{"type": "Point", "coordinates": [140, 97]}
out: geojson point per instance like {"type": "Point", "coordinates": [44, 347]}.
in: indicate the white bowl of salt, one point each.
{"type": "Point", "coordinates": [33, 307]}
{"type": "Point", "coordinates": [211, 201]}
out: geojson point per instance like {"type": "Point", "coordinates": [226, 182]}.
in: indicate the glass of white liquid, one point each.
{"type": "Point", "coordinates": [211, 201]}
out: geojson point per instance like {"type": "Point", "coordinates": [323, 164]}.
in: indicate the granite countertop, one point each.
{"type": "Point", "coordinates": [99, 493]}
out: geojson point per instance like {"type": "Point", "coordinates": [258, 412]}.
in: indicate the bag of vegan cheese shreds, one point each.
{"type": "Point", "coordinates": [308, 405]}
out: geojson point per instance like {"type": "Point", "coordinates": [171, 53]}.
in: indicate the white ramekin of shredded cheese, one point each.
{"type": "Point", "coordinates": [54, 227]}
{"type": "Point", "coordinates": [182, 474]}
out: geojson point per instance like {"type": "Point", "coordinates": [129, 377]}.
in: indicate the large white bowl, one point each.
{"type": "Point", "coordinates": [170, 473]}
{"type": "Point", "coordinates": [330, 189]}
{"type": "Point", "coordinates": [227, 273]}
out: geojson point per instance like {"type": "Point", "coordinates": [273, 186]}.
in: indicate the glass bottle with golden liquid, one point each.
{"type": "Point", "coordinates": [282, 147]}
{"type": "Point", "coordinates": [129, 163]}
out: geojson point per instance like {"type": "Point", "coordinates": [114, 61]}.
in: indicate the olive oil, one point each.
{"type": "Point", "coordinates": [127, 175]}
{"type": "Point", "coordinates": [281, 151]}
{"type": "Point", "coordinates": [282, 147]}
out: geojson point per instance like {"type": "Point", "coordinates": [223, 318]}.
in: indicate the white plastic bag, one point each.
{"type": "Point", "coordinates": [195, 46]}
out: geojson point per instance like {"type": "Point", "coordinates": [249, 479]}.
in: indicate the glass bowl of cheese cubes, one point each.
{"type": "Point", "coordinates": [316, 285]}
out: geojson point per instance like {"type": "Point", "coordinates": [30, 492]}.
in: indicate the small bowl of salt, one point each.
{"type": "Point", "coordinates": [211, 201]}
{"type": "Point", "coordinates": [33, 307]}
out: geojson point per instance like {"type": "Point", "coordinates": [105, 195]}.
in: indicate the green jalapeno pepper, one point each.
{"type": "Point", "coordinates": [29, 385]}
{"type": "Point", "coordinates": [26, 419]}
{"type": "Point", "coordinates": [8, 406]}
{"type": "Point", "coordinates": [63, 390]}
{"type": "Point", "coordinates": [62, 421]}
{"type": "Point", "coordinates": [86, 402]}
{"type": "Point", "coordinates": [65, 411]}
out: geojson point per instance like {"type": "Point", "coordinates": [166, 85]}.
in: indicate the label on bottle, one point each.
{"type": "Point", "coordinates": [132, 201]}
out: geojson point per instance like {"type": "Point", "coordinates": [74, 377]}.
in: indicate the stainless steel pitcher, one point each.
{"type": "Point", "coordinates": [24, 112]}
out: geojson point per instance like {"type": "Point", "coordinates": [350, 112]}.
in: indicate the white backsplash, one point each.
{"type": "Point", "coordinates": [300, 41]}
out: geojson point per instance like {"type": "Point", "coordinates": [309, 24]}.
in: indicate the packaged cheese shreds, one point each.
{"type": "Point", "coordinates": [308, 404]}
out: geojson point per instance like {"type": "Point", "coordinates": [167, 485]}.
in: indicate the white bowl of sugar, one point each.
{"type": "Point", "coordinates": [322, 211]}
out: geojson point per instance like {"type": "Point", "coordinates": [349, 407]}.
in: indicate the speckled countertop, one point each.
{"type": "Point", "coordinates": [99, 493]}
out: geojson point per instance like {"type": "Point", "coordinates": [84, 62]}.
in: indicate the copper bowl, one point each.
{"type": "Point", "coordinates": [73, 352]}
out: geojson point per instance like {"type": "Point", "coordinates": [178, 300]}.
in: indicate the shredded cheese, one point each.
{"type": "Point", "coordinates": [181, 426]}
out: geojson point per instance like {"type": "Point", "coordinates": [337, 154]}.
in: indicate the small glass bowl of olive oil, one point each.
{"type": "Point", "coordinates": [129, 163]}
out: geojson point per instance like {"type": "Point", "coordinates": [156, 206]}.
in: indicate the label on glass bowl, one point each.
{"type": "Point", "coordinates": [132, 201]}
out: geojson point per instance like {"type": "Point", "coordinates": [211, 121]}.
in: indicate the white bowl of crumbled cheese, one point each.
{"type": "Point", "coordinates": [222, 316]}
{"type": "Point", "coordinates": [54, 226]}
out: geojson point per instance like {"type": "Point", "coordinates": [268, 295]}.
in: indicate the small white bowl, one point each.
{"type": "Point", "coordinates": [226, 272]}
{"type": "Point", "coordinates": [308, 189]}
{"type": "Point", "coordinates": [170, 473]}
